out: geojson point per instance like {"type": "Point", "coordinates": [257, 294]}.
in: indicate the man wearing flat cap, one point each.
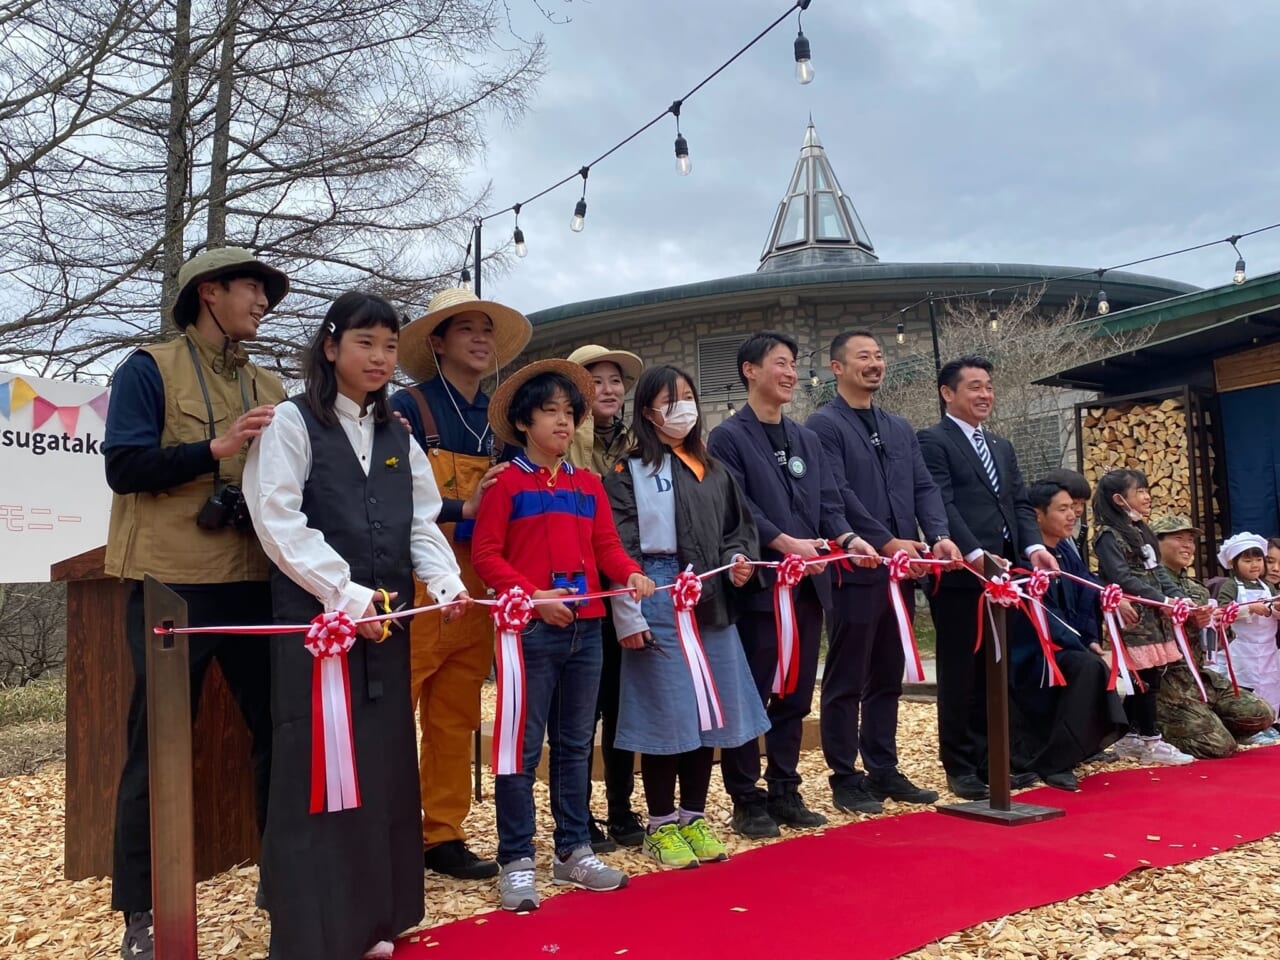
{"type": "Point", "coordinates": [448, 352]}
{"type": "Point", "coordinates": [1205, 730]}
{"type": "Point", "coordinates": [181, 417]}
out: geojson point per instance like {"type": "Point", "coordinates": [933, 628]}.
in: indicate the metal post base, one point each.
{"type": "Point", "coordinates": [1015, 816]}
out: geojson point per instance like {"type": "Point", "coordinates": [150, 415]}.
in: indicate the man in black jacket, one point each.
{"type": "Point", "coordinates": [987, 512]}
{"type": "Point", "coordinates": [792, 496]}
{"type": "Point", "coordinates": [878, 467]}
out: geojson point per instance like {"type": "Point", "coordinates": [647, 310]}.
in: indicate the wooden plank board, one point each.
{"type": "Point", "coordinates": [1250, 368]}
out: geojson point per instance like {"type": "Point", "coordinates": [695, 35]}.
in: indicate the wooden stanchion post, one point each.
{"type": "Point", "coordinates": [173, 854]}
{"type": "Point", "coordinates": [999, 807]}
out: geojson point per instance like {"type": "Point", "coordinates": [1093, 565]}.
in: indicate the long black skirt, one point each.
{"type": "Point", "coordinates": [1055, 728]}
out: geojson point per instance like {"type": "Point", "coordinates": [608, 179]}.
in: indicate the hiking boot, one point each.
{"type": "Point", "coordinates": [668, 847]}
{"type": "Point", "coordinates": [855, 798]}
{"type": "Point", "coordinates": [789, 811]}
{"type": "Point", "coordinates": [894, 785]}
{"type": "Point", "coordinates": [583, 869]}
{"type": "Point", "coordinates": [627, 829]}
{"type": "Point", "coordinates": [752, 820]}
{"type": "Point", "coordinates": [1128, 747]}
{"type": "Point", "coordinates": [600, 841]}
{"type": "Point", "coordinates": [706, 846]}
{"type": "Point", "coordinates": [453, 858]}
{"type": "Point", "coordinates": [517, 886]}
{"type": "Point", "coordinates": [1158, 750]}
{"type": "Point", "coordinates": [139, 932]}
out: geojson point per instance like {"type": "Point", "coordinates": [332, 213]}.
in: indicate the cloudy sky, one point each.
{"type": "Point", "coordinates": [1086, 134]}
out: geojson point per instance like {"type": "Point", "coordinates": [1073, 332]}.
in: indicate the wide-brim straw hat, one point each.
{"type": "Point", "coordinates": [511, 331]}
{"type": "Point", "coordinates": [627, 362]}
{"type": "Point", "coordinates": [219, 262]}
{"type": "Point", "coordinates": [500, 402]}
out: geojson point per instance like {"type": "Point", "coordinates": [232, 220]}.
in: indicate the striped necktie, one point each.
{"type": "Point", "coordinates": [988, 464]}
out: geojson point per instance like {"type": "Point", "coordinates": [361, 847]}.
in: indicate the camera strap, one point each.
{"type": "Point", "coordinates": [208, 404]}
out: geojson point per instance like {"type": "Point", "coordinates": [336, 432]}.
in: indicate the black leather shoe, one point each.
{"type": "Point", "coordinates": [1065, 780]}
{"type": "Point", "coordinates": [967, 786]}
{"type": "Point", "coordinates": [893, 785]}
{"type": "Point", "coordinates": [627, 829]}
{"type": "Point", "coordinates": [789, 811]}
{"type": "Point", "coordinates": [1020, 781]}
{"type": "Point", "coordinates": [601, 842]}
{"type": "Point", "coordinates": [752, 820]}
{"type": "Point", "coordinates": [454, 859]}
{"type": "Point", "coordinates": [854, 798]}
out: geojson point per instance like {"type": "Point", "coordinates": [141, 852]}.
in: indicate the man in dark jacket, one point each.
{"type": "Point", "coordinates": [878, 468]}
{"type": "Point", "coordinates": [792, 495]}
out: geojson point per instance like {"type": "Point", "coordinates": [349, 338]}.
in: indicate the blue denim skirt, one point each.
{"type": "Point", "coordinates": [657, 709]}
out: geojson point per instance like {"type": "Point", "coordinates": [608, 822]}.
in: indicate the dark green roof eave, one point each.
{"type": "Point", "coordinates": [1193, 304]}
{"type": "Point", "coordinates": [943, 277]}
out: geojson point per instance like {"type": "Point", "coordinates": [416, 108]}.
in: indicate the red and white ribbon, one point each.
{"type": "Point", "coordinates": [1003, 592]}
{"type": "Point", "coordinates": [790, 573]}
{"type": "Point", "coordinates": [511, 614]}
{"type": "Point", "coordinates": [1223, 618]}
{"type": "Point", "coordinates": [1179, 614]}
{"type": "Point", "coordinates": [899, 570]}
{"type": "Point", "coordinates": [334, 785]}
{"type": "Point", "coordinates": [1123, 676]}
{"type": "Point", "coordinates": [685, 594]}
{"type": "Point", "coordinates": [1037, 586]}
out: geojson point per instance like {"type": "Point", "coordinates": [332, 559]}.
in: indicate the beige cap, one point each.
{"type": "Point", "coordinates": [219, 262]}
{"type": "Point", "coordinates": [627, 362]}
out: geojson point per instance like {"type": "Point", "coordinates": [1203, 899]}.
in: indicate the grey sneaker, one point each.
{"type": "Point", "coordinates": [517, 887]}
{"type": "Point", "coordinates": [584, 869]}
{"type": "Point", "coordinates": [139, 933]}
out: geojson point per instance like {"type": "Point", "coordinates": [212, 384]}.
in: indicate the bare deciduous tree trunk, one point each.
{"type": "Point", "coordinates": [178, 160]}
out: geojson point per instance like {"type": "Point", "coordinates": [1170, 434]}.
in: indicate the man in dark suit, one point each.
{"type": "Point", "coordinates": [987, 511]}
{"type": "Point", "coordinates": [877, 465]}
{"type": "Point", "coordinates": [792, 495]}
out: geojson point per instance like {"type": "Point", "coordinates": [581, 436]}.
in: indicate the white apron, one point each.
{"type": "Point", "coordinates": [1253, 650]}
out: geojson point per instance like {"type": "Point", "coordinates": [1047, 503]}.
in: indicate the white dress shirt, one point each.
{"type": "Point", "coordinates": [276, 471]}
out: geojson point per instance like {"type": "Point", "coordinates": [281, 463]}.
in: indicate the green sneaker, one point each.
{"type": "Point", "coordinates": [706, 846]}
{"type": "Point", "coordinates": [668, 846]}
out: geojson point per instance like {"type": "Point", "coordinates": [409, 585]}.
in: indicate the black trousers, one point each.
{"type": "Point", "coordinates": [245, 663]}
{"type": "Point", "coordinates": [862, 680]}
{"type": "Point", "coordinates": [619, 765]}
{"type": "Point", "coordinates": [740, 766]}
{"type": "Point", "coordinates": [962, 682]}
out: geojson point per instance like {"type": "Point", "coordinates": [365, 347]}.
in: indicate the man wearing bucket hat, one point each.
{"type": "Point", "coordinates": [448, 352]}
{"type": "Point", "coordinates": [600, 441]}
{"type": "Point", "coordinates": [181, 417]}
{"type": "Point", "coordinates": [1205, 730]}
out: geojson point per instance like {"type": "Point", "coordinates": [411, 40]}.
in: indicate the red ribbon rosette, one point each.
{"type": "Point", "coordinates": [334, 784]}
{"type": "Point", "coordinates": [1037, 585]}
{"type": "Point", "coordinates": [511, 614]}
{"type": "Point", "coordinates": [686, 591]}
{"type": "Point", "coordinates": [685, 594]}
{"type": "Point", "coordinates": [1223, 618]}
{"type": "Point", "coordinates": [899, 566]}
{"type": "Point", "coordinates": [1036, 588]}
{"type": "Point", "coordinates": [790, 571]}
{"type": "Point", "coordinates": [1123, 675]}
{"type": "Point", "coordinates": [1001, 591]}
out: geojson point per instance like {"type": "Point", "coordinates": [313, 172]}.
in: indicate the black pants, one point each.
{"type": "Point", "coordinates": [862, 680]}
{"type": "Point", "coordinates": [245, 663]}
{"type": "Point", "coordinates": [740, 766]}
{"type": "Point", "coordinates": [660, 772]}
{"type": "Point", "coordinates": [619, 765]}
{"type": "Point", "coordinates": [1140, 706]}
{"type": "Point", "coordinates": [1055, 728]}
{"type": "Point", "coordinates": [962, 682]}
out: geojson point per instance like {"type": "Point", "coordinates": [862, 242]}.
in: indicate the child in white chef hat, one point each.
{"type": "Point", "coordinates": [1253, 645]}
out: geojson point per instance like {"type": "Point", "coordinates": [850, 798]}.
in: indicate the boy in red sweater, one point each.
{"type": "Point", "coordinates": [546, 527]}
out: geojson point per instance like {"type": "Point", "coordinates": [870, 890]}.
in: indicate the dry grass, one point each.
{"type": "Point", "coordinates": [1223, 906]}
{"type": "Point", "coordinates": [44, 699]}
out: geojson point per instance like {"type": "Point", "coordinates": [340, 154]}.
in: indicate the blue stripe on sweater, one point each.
{"type": "Point", "coordinates": [532, 503]}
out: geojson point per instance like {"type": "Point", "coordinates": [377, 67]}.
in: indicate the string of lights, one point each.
{"type": "Point", "coordinates": [804, 74]}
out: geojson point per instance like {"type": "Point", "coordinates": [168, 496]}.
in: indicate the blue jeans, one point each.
{"type": "Point", "coordinates": [562, 677]}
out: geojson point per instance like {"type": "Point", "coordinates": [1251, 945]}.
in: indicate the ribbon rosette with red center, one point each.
{"type": "Point", "coordinates": [511, 614]}
{"type": "Point", "coordinates": [334, 785]}
{"type": "Point", "coordinates": [685, 594]}
{"type": "Point", "coordinates": [1037, 586]}
{"type": "Point", "coordinates": [1003, 592]}
{"type": "Point", "coordinates": [1223, 618]}
{"type": "Point", "coordinates": [899, 566]}
{"type": "Point", "coordinates": [1179, 613]}
{"type": "Point", "coordinates": [790, 573]}
{"type": "Point", "coordinates": [1123, 675]}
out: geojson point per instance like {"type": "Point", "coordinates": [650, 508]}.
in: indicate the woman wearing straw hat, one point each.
{"type": "Point", "coordinates": [448, 352]}
{"type": "Point", "coordinates": [601, 440]}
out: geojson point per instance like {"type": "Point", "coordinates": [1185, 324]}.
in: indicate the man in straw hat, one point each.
{"type": "Point", "coordinates": [459, 342]}
{"type": "Point", "coordinates": [600, 441]}
{"type": "Point", "coordinates": [1205, 730]}
{"type": "Point", "coordinates": [181, 417]}
{"type": "Point", "coordinates": [547, 528]}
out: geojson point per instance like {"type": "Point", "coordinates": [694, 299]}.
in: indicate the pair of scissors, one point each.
{"type": "Point", "coordinates": [651, 645]}
{"type": "Point", "coordinates": [389, 625]}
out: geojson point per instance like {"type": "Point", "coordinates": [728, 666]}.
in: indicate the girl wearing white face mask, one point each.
{"type": "Point", "coordinates": [675, 507]}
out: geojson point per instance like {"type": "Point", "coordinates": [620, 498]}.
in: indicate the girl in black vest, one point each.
{"type": "Point", "coordinates": [345, 505]}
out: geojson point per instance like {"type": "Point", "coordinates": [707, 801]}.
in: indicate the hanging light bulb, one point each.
{"type": "Point", "coordinates": [1238, 276]}
{"type": "Point", "coordinates": [804, 63]}
{"type": "Point", "coordinates": [813, 377]}
{"type": "Point", "coordinates": [902, 332]}
{"type": "Point", "coordinates": [993, 319]}
{"type": "Point", "coordinates": [728, 387]}
{"type": "Point", "coordinates": [1104, 306]}
{"type": "Point", "coordinates": [683, 164]}
{"type": "Point", "coordinates": [466, 276]}
{"type": "Point", "coordinates": [518, 238]}
{"type": "Point", "coordinates": [579, 216]}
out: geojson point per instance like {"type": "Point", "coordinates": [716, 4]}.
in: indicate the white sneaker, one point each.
{"type": "Point", "coordinates": [1129, 747]}
{"type": "Point", "coordinates": [1157, 750]}
{"type": "Point", "coordinates": [1265, 738]}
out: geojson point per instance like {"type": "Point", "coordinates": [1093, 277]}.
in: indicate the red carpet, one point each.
{"type": "Point", "coordinates": [885, 887]}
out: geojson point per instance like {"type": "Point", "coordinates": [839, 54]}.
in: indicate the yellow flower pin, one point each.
{"type": "Point", "coordinates": [393, 462]}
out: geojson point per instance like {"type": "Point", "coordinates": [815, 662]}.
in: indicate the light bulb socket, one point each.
{"type": "Point", "coordinates": [683, 165]}
{"type": "Point", "coordinates": [803, 53]}
{"type": "Point", "coordinates": [902, 333]}
{"type": "Point", "coordinates": [579, 216]}
{"type": "Point", "coordinates": [1239, 276]}
{"type": "Point", "coordinates": [466, 275]}
{"type": "Point", "coordinates": [1104, 306]}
